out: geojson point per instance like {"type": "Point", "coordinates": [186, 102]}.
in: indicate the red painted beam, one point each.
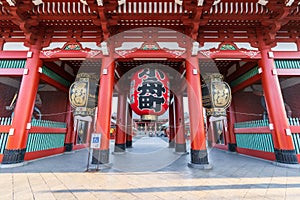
{"type": "Point", "coordinates": [256, 153]}
{"type": "Point", "coordinates": [39, 129]}
{"type": "Point", "coordinates": [1, 157]}
{"type": "Point", "coordinates": [59, 70]}
{"type": "Point", "coordinates": [235, 54]}
{"type": "Point", "coordinates": [13, 54]}
{"type": "Point", "coordinates": [246, 83]}
{"type": "Point", "coordinates": [40, 154]}
{"type": "Point", "coordinates": [264, 129]}
{"type": "Point", "coordinates": [54, 83]}
{"type": "Point", "coordinates": [221, 146]}
{"type": "Point", "coordinates": [144, 17]}
{"type": "Point", "coordinates": [150, 54]}
{"type": "Point", "coordinates": [64, 54]}
{"type": "Point", "coordinates": [242, 70]}
{"type": "Point", "coordinates": [288, 72]}
{"type": "Point", "coordinates": [4, 128]}
{"type": "Point", "coordinates": [11, 72]}
{"type": "Point", "coordinates": [286, 54]}
{"type": "Point", "coordinates": [80, 146]}
{"type": "Point", "coordinates": [295, 129]}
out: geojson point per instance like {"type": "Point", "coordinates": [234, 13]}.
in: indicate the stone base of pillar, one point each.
{"type": "Point", "coordinates": [209, 143]}
{"type": "Point", "coordinates": [200, 166]}
{"type": "Point", "coordinates": [100, 156]}
{"type": "Point", "coordinates": [232, 147]}
{"type": "Point", "coordinates": [180, 148]}
{"type": "Point", "coordinates": [120, 148]}
{"type": "Point", "coordinates": [13, 156]}
{"type": "Point", "coordinates": [171, 144]}
{"type": "Point", "coordinates": [286, 156]}
{"type": "Point", "coordinates": [68, 147]}
{"type": "Point", "coordinates": [129, 144]}
{"type": "Point", "coordinates": [199, 157]}
{"type": "Point", "coordinates": [6, 166]}
{"type": "Point", "coordinates": [291, 166]}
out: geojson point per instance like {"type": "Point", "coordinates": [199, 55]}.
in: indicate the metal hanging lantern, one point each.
{"type": "Point", "coordinates": [149, 93]}
{"type": "Point", "coordinates": [216, 94]}
{"type": "Point", "coordinates": [83, 94]}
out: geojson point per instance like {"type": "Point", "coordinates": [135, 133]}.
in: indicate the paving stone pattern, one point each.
{"type": "Point", "coordinates": [150, 170]}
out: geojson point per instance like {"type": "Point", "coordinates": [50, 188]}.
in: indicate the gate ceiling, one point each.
{"type": "Point", "coordinates": [203, 20]}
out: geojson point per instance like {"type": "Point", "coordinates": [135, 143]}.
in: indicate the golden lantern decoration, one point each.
{"type": "Point", "coordinates": [216, 94]}
{"type": "Point", "coordinates": [83, 94]}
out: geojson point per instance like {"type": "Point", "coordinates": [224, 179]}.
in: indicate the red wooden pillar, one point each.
{"type": "Point", "coordinates": [120, 141]}
{"type": "Point", "coordinates": [199, 157]}
{"type": "Point", "coordinates": [101, 155]}
{"type": "Point", "coordinates": [69, 138]}
{"type": "Point", "coordinates": [180, 144]}
{"type": "Point", "coordinates": [17, 140]}
{"type": "Point", "coordinates": [281, 134]}
{"type": "Point", "coordinates": [129, 131]}
{"type": "Point", "coordinates": [230, 131]}
{"type": "Point", "coordinates": [171, 126]}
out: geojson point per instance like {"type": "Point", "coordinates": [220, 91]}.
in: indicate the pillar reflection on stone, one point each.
{"type": "Point", "coordinates": [180, 143]}
{"type": "Point", "coordinates": [171, 126]}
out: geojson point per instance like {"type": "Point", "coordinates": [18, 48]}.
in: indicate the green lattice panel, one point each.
{"type": "Point", "coordinates": [296, 140]}
{"type": "Point", "coordinates": [255, 141]}
{"type": "Point", "coordinates": [287, 64]}
{"type": "Point", "coordinates": [44, 141]}
{"type": "Point", "coordinates": [252, 124]}
{"type": "Point", "coordinates": [12, 63]}
{"type": "Point", "coordinates": [3, 141]}
{"type": "Point", "coordinates": [47, 123]}
{"type": "Point", "coordinates": [55, 76]}
{"type": "Point", "coordinates": [244, 77]}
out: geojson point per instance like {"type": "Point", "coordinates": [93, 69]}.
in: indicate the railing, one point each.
{"type": "Point", "coordinates": [255, 141]}
{"type": "Point", "coordinates": [287, 64]}
{"type": "Point", "coordinates": [262, 123]}
{"type": "Point", "coordinates": [294, 121]}
{"type": "Point", "coordinates": [247, 137]}
{"type": "Point", "coordinates": [296, 140]}
{"type": "Point", "coordinates": [3, 141]}
{"type": "Point", "coordinates": [11, 64]}
{"type": "Point", "coordinates": [44, 134]}
{"type": "Point", "coordinates": [44, 141]}
{"type": "Point", "coordinates": [5, 120]}
{"type": "Point", "coordinates": [34, 122]}
{"type": "Point", "coordinates": [47, 123]}
{"type": "Point", "coordinates": [252, 124]}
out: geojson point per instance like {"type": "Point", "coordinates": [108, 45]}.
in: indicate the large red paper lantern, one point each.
{"type": "Point", "coordinates": [149, 92]}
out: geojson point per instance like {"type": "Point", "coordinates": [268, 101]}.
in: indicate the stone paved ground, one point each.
{"type": "Point", "coordinates": [150, 171]}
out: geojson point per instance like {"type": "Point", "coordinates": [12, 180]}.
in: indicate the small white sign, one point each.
{"type": "Point", "coordinates": [104, 71]}
{"type": "Point", "coordinates": [288, 132]}
{"type": "Point", "coordinates": [195, 71]}
{"type": "Point", "coordinates": [271, 126]}
{"type": "Point", "coordinates": [29, 54]}
{"type": "Point", "coordinates": [28, 126]}
{"type": "Point", "coordinates": [95, 140]}
{"type": "Point", "coordinates": [11, 131]}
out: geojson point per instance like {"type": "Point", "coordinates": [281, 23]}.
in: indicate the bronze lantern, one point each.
{"type": "Point", "coordinates": [216, 94]}
{"type": "Point", "coordinates": [83, 94]}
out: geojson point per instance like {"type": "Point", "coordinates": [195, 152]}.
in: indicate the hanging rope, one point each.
{"type": "Point", "coordinates": [249, 114]}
